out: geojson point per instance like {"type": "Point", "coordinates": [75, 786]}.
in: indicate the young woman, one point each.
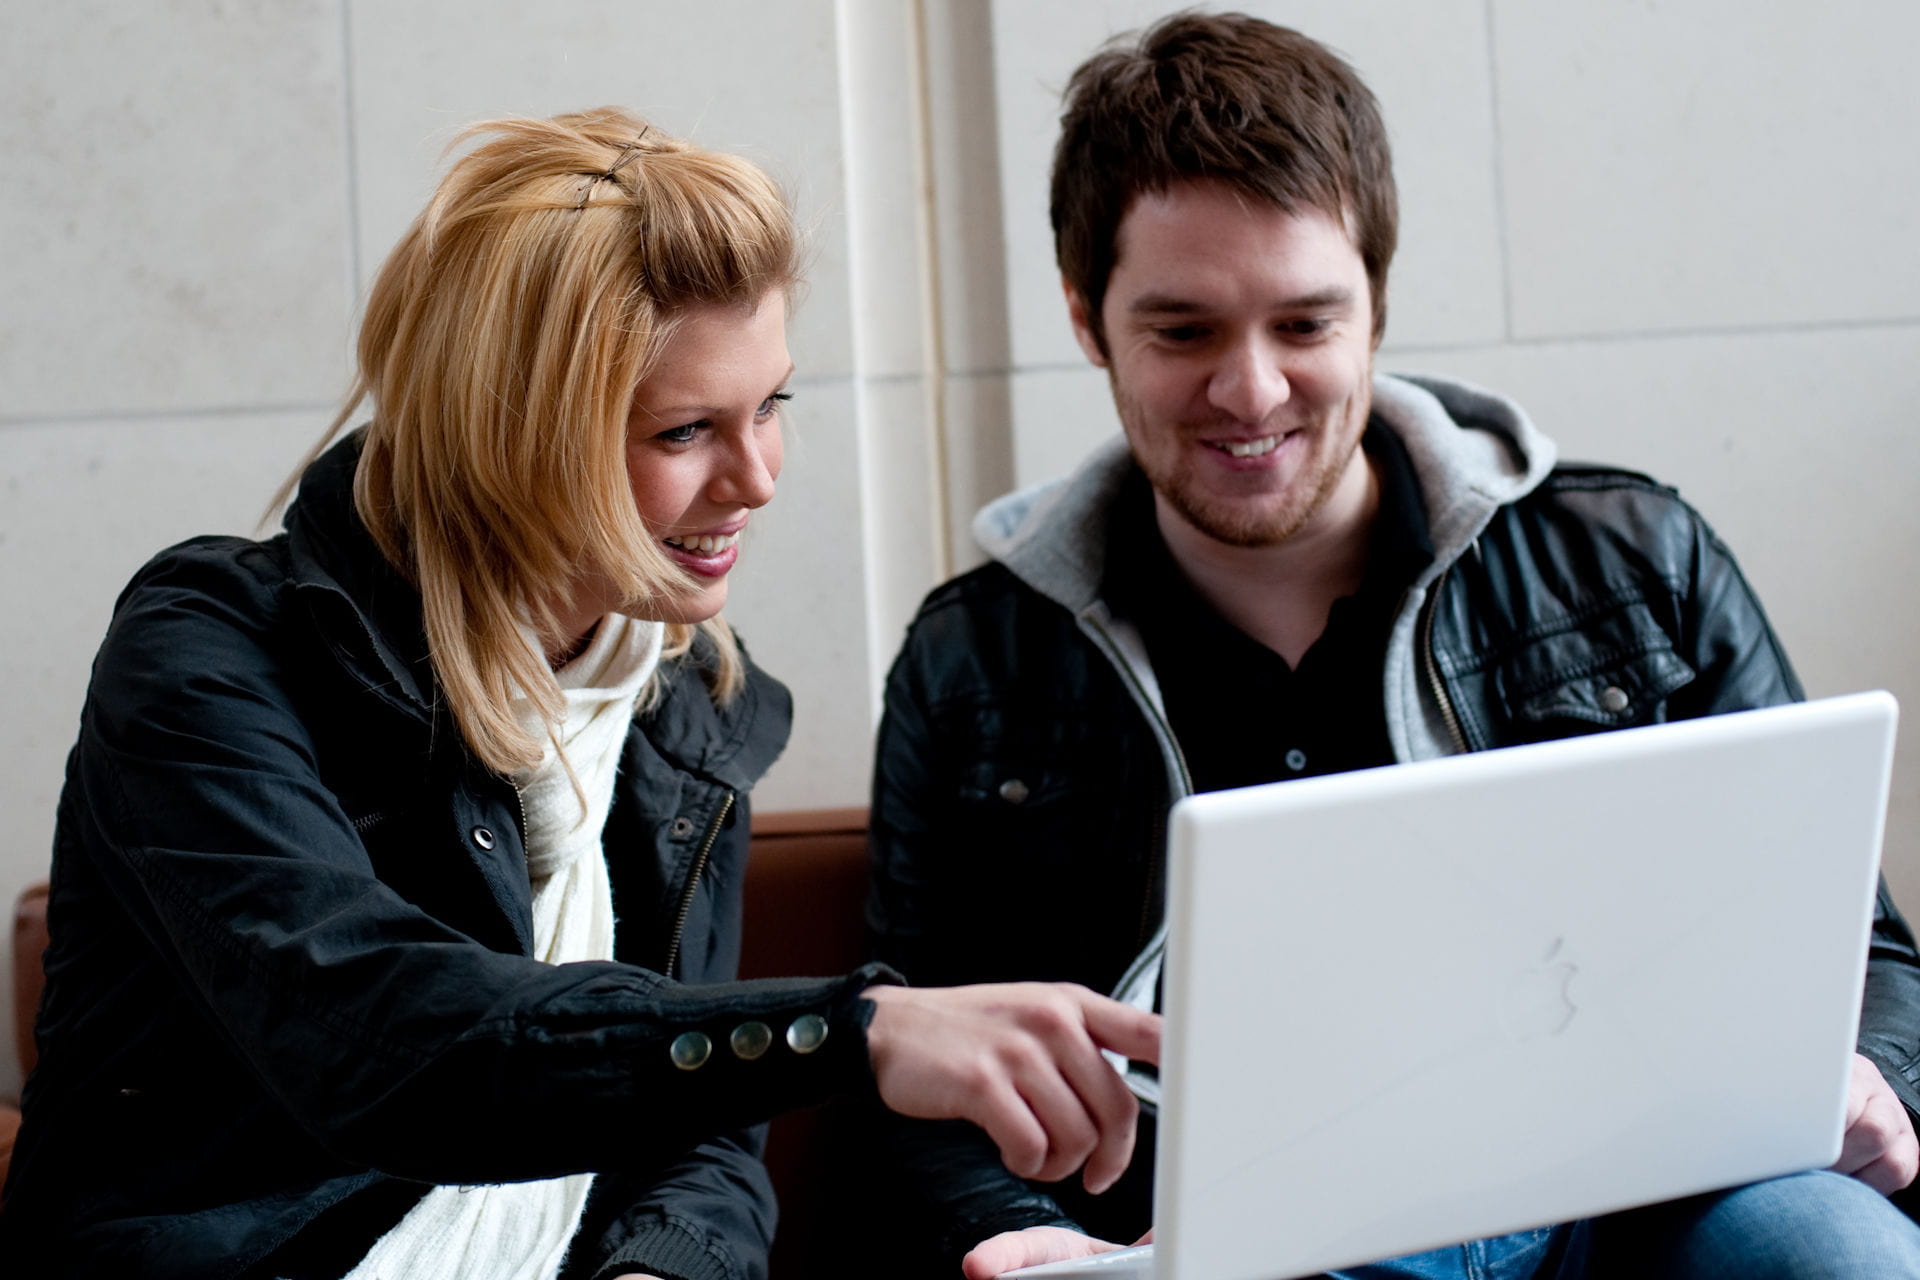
{"type": "Point", "coordinates": [396, 874]}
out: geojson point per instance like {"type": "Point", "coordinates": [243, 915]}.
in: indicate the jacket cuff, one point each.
{"type": "Point", "coordinates": [972, 1225]}
{"type": "Point", "coordinates": [751, 1050]}
{"type": "Point", "coordinates": [672, 1249]}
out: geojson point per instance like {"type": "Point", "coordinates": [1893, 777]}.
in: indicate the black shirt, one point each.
{"type": "Point", "coordinates": [1240, 713]}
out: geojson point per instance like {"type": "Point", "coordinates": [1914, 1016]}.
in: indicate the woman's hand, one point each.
{"type": "Point", "coordinates": [1011, 1250]}
{"type": "Point", "coordinates": [1022, 1061]}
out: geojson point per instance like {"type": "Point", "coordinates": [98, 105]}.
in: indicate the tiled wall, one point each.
{"type": "Point", "coordinates": [1683, 234]}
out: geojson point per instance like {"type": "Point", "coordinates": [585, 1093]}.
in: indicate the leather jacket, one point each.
{"type": "Point", "coordinates": [291, 930]}
{"type": "Point", "coordinates": [1025, 767]}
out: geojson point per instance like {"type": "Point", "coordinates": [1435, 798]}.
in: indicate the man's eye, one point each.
{"type": "Point", "coordinates": [1304, 328]}
{"type": "Point", "coordinates": [1180, 333]}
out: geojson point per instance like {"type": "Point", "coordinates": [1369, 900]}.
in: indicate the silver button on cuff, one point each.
{"type": "Point", "coordinates": [750, 1040]}
{"type": "Point", "coordinates": [808, 1032]}
{"type": "Point", "coordinates": [1014, 791]}
{"type": "Point", "coordinates": [690, 1050]}
{"type": "Point", "coordinates": [683, 827]}
{"type": "Point", "coordinates": [482, 837]}
{"type": "Point", "coordinates": [1614, 699]}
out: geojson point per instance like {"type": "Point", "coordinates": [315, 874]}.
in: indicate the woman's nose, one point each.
{"type": "Point", "coordinates": [752, 467]}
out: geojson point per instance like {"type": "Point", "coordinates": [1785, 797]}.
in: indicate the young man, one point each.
{"type": "Point", "coordinates": [1294, 567]}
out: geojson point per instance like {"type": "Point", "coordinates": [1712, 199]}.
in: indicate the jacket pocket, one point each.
{"type": "Point", "coordinates": [1607, 671]}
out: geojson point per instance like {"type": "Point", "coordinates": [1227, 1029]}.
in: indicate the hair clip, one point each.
{"type": "Point", "coordinates": [611, 174]}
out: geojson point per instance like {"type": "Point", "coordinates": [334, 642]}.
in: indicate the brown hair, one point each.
{"type": "Point", "coordinates": [502, 343]}
{"type": "Point", "coordinates": [1225, 98]}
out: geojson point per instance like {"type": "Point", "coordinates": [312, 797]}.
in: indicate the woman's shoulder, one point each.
{"type": "Point", "coordinates": [219, 580]}
{"type": "Point", "coordinates": [204, 606]}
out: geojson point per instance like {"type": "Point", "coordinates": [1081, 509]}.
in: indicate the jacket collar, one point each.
{"type": "Point", "coordinates": [369, 614]}
{"type": "Point", "coordinates": [732, 745]}
{"type": "Point", "coordinates": [1472, 451]}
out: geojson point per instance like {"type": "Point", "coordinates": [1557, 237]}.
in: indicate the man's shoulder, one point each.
{"type": "Point", "coordinates": [1611, 502]}
{"type": "Point", "coordinates": [991, 590]}
{"type": "Point", "coordinates": [1589, 530]}
{"type": "Point", "coordinates": [987, 633]}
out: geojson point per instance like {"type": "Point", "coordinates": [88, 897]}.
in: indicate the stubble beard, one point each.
{"type": "Point", "coordinates": [1245, 524]}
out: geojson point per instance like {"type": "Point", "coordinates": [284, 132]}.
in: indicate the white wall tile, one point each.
{"type": "Point", "coordinates": [1709, 163]}
{"type": "Point", "coordinates": [174, 213]}
{"type": "Point", "coordinates": [1059, 416]}
{"type": "Point", "coordinates": [900, 488]}
{"type": "Point", "coordinates": [883, 204]}
{"type": "Point", "coordinates": [1427, 63]}
{"type": "Point", "coordinates": [86, 504]}
{"type": "Point", "coordinates": [735, 75]}
{"type": "Point", "coordinates": [799, 598]}
{"type": "Point", "coordinates": [980, 457]}
{"type": "Point", "coordinates": [964, 138]}
{"type": "Point", "coordinates": [1801, 451]}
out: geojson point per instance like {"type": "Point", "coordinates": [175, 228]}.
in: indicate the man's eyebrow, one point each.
{"type": "Point", "coordinates": [1168, 304]}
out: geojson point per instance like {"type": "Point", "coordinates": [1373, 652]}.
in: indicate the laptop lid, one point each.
{"type": "Point", "coordinates": [1437, 1001]}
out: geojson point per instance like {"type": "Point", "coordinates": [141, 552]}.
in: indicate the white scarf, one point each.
{"type": "Point", "coordinates": [521, 1230]}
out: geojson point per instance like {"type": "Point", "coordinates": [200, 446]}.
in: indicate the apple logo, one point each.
{"type": "Point", "coordinates": [1539, 999]}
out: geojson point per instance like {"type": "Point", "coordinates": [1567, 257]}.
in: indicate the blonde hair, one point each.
{"type": "Point", "coordinates": [502, 343]}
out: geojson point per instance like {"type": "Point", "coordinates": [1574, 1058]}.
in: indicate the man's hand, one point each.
{"type": "Point", "coordinates": [1022, 1061]}
{"type": "Point", "coordinates": [1014, 1249]}
{"type": "Point", "coordinates": [1879, 1148]}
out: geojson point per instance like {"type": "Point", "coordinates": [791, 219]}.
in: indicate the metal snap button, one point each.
{"type": "Point", "coordinates": [683, 827]}
{"type": "Point", "coordinates": [690, 1050]}
{"type": "Point", "coordinates": [1614, 699]}
{"type": "Point", "coordinates": [1014, 791]}
{"type": "Point", "coordinates": [808, 1032]}
{"type": "Point", "coordinates": [483, 837]}
{"type": "Point", "coordinates": [1296, 759]}
{"type": "Point", "coordinates": [750, 1040]}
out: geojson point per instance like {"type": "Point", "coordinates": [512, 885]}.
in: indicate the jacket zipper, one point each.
{"type": "Point", "coordinates": [1430, 664]}
{"type": "Point", "coordinates": [693, 882]}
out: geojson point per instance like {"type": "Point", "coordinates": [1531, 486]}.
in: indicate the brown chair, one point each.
{"type": "Point", "coordinates": [805, 893]}
{"type": "Point", "coordinates": [29, 942]}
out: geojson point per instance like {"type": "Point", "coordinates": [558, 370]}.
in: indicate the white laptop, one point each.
{"type": "Point", "coordinates": [1432, 1002]}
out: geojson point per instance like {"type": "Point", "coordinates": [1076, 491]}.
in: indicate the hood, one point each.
{"type": "Point", "coordinates": [1472, 451]}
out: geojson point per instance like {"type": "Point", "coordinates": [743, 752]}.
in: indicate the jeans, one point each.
{"type": "Point", "coordinates": [1811, 1226]}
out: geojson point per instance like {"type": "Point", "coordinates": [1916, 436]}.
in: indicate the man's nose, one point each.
{"type": "Point", "coordinates": [1249, 382]}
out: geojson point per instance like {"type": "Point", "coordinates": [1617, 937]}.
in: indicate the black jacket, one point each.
{"type": "Point", "coordinates": [291, 923]}
{"type": "Point", "coordinates": [1578, 599]}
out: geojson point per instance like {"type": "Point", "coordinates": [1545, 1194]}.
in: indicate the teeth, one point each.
{"type": "Point", "coordinates": [704, 544]}
{"type": "Point", "coordinates": [1252, 448]}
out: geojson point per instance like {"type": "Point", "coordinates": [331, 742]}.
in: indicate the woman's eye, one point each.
{"type": "Point", "coordinates": [771, 405]}
{"type": "Point", "coordinates": [681, 435]}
